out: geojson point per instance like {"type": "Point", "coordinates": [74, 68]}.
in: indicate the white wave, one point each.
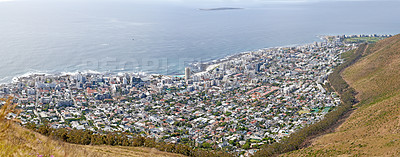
{"type": "Point", "coordinates": [69, 73]}
{"type": "Point", "coordinates": [4, 81]}
{"type": "Point", "coordinates": [91, 72]}
{"type": "Point", "coordinates": [80, 71]}
{"type": "Point", "coordinates": [28, 74]}
{"type": "Point", "coordinates": [37, 72]}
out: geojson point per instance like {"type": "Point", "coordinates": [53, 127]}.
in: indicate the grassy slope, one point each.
{"type": "Point", "coordinates": [130, 151]}
{"type": "Point", "coordinates": [18, 141]}
{"type": "Point", "coordinates": [374, 128]}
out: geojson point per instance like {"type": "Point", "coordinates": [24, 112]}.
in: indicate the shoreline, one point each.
{"type": "Point", "coordinates": [212, 62]}
{"type": "Point", "coordinates": [208, 63]}
{"type": "Point", "coordinates": [217, 62]}
{"type": "Point", "coordinates": [202, 67]}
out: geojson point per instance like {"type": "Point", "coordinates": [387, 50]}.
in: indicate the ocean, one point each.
{"type": "Point", "coordinates": [55, 36]}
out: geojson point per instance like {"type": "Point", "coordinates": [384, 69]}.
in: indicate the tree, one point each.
{"type": "Point", "coordinates": [206, 145]}
{"type": "Point", "coordinates": [246, 146]}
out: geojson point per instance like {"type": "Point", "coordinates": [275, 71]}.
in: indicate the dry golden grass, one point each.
{"type": "Point", "coordinates": [374, 128]}
{"type": "Point", "coordinates": [18, 141]}
{"type": "Point", "coordinates": [130, 151]}
{"type": "Point", "coordinates": [377, 73]}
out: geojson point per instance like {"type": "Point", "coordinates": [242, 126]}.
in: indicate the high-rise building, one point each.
{"type": "Point", "coordinates": [187, 74]}
{"type": "Point", "coordinates": [257, 68]}
{"type": "Point", "coordinates": [79, 77]}
{"type": "Point", "coordinates": [124, 80]}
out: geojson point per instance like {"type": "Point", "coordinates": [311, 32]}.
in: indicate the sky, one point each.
{"type": "Point", "coordinates": [238, 3]}
{"type": "Point", "coordinates": [243, 2]}
{"type": "Point", "coordinates": [251, 1]}
{"type": "Point", "coordinates": [199, 3]}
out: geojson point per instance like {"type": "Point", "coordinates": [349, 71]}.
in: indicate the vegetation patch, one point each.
{"type": "Point", "coordinates": [363, 39]}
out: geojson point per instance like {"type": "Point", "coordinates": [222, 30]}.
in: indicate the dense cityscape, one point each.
{"type": "Point", "coordinates": [237, 103]}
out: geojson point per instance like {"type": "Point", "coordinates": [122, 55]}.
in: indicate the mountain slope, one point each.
{"type": "Point", "coordinates": [18, 141]}
{"type": "Point", "coordinates": [374, 128]}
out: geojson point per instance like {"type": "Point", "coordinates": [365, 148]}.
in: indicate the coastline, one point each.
{"type": "Point", "coordinates": [197, 68]}
{"type": "Point", "coordinates": [217, 62]}
{"type": "Point", "coordinates": [207, 64]}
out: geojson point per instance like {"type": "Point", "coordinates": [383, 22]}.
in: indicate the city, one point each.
{"type": "Point", "coordinates": [237, 104]}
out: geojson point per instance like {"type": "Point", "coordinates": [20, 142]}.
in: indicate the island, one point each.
{"type": "Point", "coordinates": [224, 8]}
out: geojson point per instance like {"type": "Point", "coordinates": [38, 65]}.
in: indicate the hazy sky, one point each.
{"type": "Point", "coordinates": [252, 1]}
{"type": "Point", "coordinates": [201, 3]}
{"type": "Point", "coordinates": [227, 1]}
{"type": "Point", "coordinates": [243, 3]}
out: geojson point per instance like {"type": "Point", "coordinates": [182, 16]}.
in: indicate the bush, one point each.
{"type": "Point", "coordinates": [86, 137]}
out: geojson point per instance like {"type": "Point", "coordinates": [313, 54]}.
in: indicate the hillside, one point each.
{"type": "Point", "coordinates": [18, 141]}
{"type": "Point", "coordinates": [373, 129]}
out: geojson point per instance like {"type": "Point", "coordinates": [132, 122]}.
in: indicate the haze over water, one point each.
{"type": "Point", "coordinates": [160, 37]}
